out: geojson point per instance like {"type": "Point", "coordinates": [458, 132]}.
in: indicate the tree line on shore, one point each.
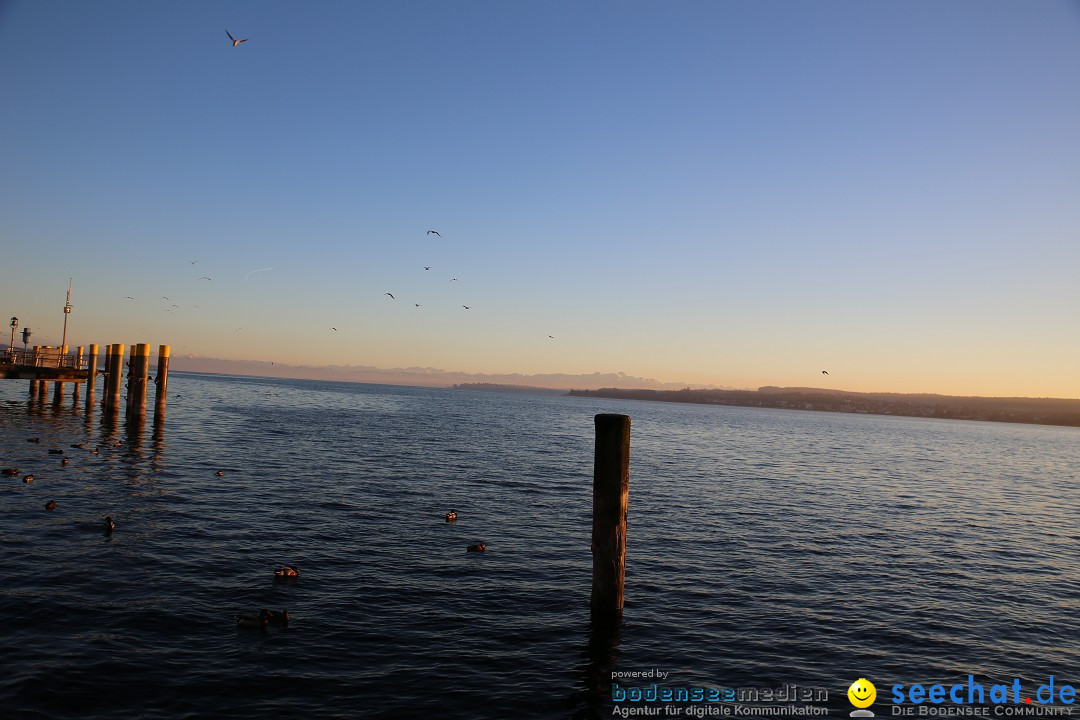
{"type": "Point", "coordinates": [1041, 411]}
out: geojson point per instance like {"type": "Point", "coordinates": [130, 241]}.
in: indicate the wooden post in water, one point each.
{"type": "Point", "coordinates": [116, 368]}
{"type": "Point", "coordinates": [58, 392]}
{"type": "Point", "coordinates": [137, 381]}
{"type": "Point", "coordinates": [162, 381]}
{"type": "Point", "coordinates": [611, 490]}
{"type": "Point", "coordinates": [43, 390]}
{"type": "Point", "coordinates": [108, 370]}
{"type": "Point", "coordinates": [127, 397]}
{"type": "Point", "coordinates": [91, 375]}
{"type": "Point", "coordinates": [33, 387]}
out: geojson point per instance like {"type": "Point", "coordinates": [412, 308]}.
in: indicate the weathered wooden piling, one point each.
{"type": "Point", "coordinates": [33, 387]}
{"type": "Point", "coordinates": [611, 491]}
{"type": "Point", "coordinates": [112, 387]}
{"type": "Point", "coordinates": [43, 389]}
{"type": "Point", "coordinates": [91, 375]}
{"type": "Point", "coordinates": [162, 381]}
{"type": "Point", "coordinates": [137, 381]}
{"type": "Point", "coordinates": [58, 392]}
{"type": "Point", "coordinates": [108, 374]}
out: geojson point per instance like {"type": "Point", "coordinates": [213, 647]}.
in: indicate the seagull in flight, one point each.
{"type": "Point", "coordinates": [433, 232]}
{"type": "Point", "coordinates": [334, 329]}
{"type": "Point", "coordinates": [824, 372]}
{"type": "Point", "coordinates": [235, 42]}
{"type": "Point", "coordinates": [390, 294]}
{"type": "Point", "coordinates": [164, 298]}
{"type": "Point", "coordinates": [128, 297]}
{"type": "Point", "coordinates": [551, 336]}
{"type": "Point", "coordinates": [453, 280]}
{"type": "Point", "coordinates": [416, 304]}
{"type": "Point", "coordinates": [427, 267]}
{"type": "Point", "coordinates": [206, 278]}
{"type": "Point", "coordinates": [466, 307]}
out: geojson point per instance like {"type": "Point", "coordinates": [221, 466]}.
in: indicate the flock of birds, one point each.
{"type": "Point", "coordinates": [264, 617]}
{"type": "Point", "coordinates": [108, 524]}
{"type": "Point", "coordinates": [172, 306]}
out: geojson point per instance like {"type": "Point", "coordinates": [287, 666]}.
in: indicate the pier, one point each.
{"type": "Point", "coordinates": [42, 365]}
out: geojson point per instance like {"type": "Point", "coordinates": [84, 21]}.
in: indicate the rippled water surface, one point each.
{"type": "Point", "coordinates": [764, 547]}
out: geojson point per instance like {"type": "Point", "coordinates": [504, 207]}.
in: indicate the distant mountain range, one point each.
{"type": "Point", "coordinates": [1042, 411]}
{"type": "Point", "coordinates": [414, 376]}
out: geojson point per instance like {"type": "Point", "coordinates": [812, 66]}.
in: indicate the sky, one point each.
{"type": "Point", "coordinates": [722, 193]}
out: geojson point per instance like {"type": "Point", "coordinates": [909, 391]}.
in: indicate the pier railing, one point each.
{"type": "Point", "coordinates": [51, 357]}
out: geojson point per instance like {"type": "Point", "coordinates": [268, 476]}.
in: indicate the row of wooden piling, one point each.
{"type": "Point", "coordinates": [138, 380]}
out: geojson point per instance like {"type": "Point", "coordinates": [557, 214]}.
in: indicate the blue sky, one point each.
{"type": "Point", "coordinates": [722, 193]}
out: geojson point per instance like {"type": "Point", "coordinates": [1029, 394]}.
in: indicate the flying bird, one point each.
{"type": "Point", "coordinates": [235, 42]}
{"type": "Point", "coordinates": [427, 267]}
{"type": "Point", "coordinates": [452, 280]}
{"type": "Point", "coordinates": [164, 298]}
{"type": "Point", "coordinates": [334, 329]}
{"type": "Point", "coordinates": [824, 372]}
{"type": "Point", "coordinates": [194, 261]}
{"type": "Point", "coordinates": [416, 304]}
{"type": "Point", "coordinates": [433, 232]}
{"type": "Point", "coordinates": [128, 297]}
{"type": "Point", "coordinates": [551, 336]}
{"type": "Point", "coordinates": [206, 278]}
{"type": "Point", "coordinates": [390, 294]}
{"type": "Point", "coordinates": [466, 307]}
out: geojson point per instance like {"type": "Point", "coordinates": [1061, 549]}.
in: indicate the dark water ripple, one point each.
{"type": "Point", "coordinates": [765, 547]}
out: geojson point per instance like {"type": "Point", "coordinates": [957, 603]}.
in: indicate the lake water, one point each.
{"type": "Point", "coordinates": [765, 548]}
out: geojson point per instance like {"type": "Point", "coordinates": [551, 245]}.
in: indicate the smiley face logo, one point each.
{"type": "Point", "coordinates": [862, 693]}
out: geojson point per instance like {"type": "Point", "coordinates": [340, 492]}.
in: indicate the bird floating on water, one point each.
{"type": "Point", "coordinates": [287, 571]}
{"type": "Point", "coordinates": [220, 473]}
{"type": "Point", "coordinates": [33, 440]}
{"type": "Point", "coordinates": [262, 619]}
{"type": "Point", "coordinates": [28, 478]}
{"type": "Point", "coordinates": [109, 524]}
{"type": "Point", "coordinates": [10, 471]}
{"type": "Point", "coordinates": [51, 505]}
{"type": "Point", "coordinates": [477, 548]}
{"type": "Point", "coordinates": [235, 42]}
{"type": "Point", "coordinates": [451, 516]}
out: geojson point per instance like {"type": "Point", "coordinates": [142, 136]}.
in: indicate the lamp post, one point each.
{"type": "Point", "coordinates": [11, 345]}
{"type": "Point", "coordinates": [67, 311]}
{"type": "Point", "coordinates": [25, 339]}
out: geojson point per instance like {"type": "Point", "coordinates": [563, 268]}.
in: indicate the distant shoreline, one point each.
{"type": "Point", "coordinates": [1031, 411]}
